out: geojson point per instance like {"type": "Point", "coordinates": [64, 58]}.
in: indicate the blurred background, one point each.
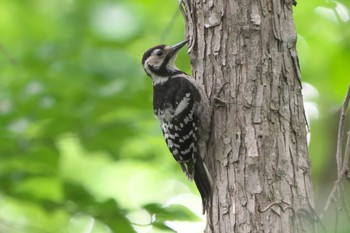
{"type": "Point", "coordinates": [80, 150]}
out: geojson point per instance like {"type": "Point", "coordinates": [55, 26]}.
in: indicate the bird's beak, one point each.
{"type": "Point", "coordinates": [174, 49]}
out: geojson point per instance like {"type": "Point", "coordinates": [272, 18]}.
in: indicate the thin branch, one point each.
{"type": "Point", "coordinates": [183, 9]}
{"type": "Point", "coordinates": [341, 132]}
{"type": "Point", "coordinates": [346, 156]}
{"type": "Point", "coordinates": [170, 25]}
{"type": "Point", "coordinates": [342, 165]}
{"type": "Point", "coordinates": [345, 170]}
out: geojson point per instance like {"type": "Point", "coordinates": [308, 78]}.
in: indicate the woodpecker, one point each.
{"type": "Point", "coordinates": [183, 111]}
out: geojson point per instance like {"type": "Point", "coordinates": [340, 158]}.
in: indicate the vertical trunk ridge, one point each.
{"type": "Point", "coordinates": [257, 152]}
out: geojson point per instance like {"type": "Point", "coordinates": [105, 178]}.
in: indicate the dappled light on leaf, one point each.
{"type": "Point", "coordinates": [161, 214]}
{"type": "Point", "coordinates": [109, 22]}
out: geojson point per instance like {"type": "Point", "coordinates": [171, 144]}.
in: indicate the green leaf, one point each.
{"type": "Point", "coordinates": [108, 212]}
{"type": "Point", "coordinates": [171, 212]}
{"type": "Point", "coordinates": [162, 226]}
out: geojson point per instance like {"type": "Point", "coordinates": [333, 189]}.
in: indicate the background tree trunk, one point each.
{"type": "Point", "coordinates": [258, 150]}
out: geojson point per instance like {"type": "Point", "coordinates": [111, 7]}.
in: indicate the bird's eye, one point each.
{"type": "Point", "coordinates": [159, 53]}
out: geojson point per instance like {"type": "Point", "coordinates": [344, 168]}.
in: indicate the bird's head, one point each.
{"type": "Point", "coordinates": [159, 61]}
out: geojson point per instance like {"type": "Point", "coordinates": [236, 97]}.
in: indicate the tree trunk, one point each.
{"type": "Point", "coordinates": [258, 151]}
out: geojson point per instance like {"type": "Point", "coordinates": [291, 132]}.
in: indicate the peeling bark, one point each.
{"type": "Point", "coordinates": [257, 152]}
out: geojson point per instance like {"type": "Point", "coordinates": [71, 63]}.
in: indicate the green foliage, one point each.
{"type": "Point", "coordinates": [324, 53]}
{"type": "Point", "coordinates": [79, 146]}
{"type": "Point", "coordinates": [169, 213]}
{"type": "Point", "coordinates": [172, 212]}
{"type": "Point", "coordinates": [78, 139]}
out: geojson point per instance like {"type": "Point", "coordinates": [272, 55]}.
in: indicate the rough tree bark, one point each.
{"type": "Point", "coordinates": [258, 151]}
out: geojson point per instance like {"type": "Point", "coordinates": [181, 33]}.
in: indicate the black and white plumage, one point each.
{"type": "Point", "coordinates": [182, 108]}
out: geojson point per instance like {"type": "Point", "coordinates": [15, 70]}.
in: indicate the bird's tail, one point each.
{"type": "Point", "coordinates": [204, 182]}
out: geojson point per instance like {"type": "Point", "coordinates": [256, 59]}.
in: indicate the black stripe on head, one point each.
{"type": "Point", "coordinates": [163, 71]}
{"type": "Point", "coordinates": [148, 53]}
